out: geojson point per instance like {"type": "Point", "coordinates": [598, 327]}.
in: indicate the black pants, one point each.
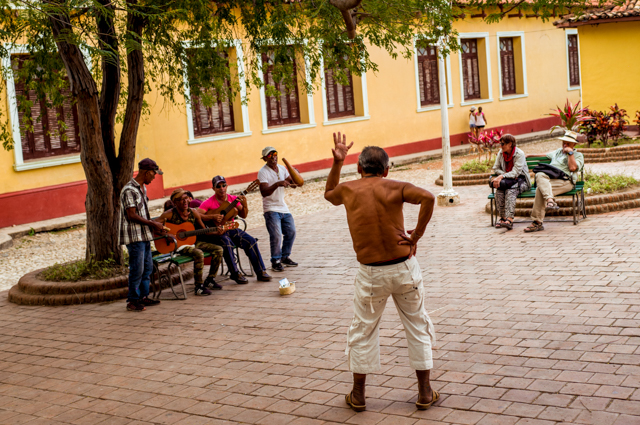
{"type": "Point", "coordinates": [242, 240]}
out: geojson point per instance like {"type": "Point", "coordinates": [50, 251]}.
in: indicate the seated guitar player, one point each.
{"type": "Point", "coordinates": [181, 213]}
{"type": "Point", "coordinates": [235, 237]}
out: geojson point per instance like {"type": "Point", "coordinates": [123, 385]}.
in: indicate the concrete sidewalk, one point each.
{"type": "Point", "coordinates": [533, 329]}
{"type": "Point", "coordinates": [7, 234]}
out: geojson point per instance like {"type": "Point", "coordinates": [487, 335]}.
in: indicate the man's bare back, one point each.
{"type": "Point", "coordinates": [374, 210]}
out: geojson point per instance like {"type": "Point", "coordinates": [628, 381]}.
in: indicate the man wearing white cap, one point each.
{"type": "Point", "coordinates": [282, 230]}
{"type": "Point", "coordinates": [566, 160]}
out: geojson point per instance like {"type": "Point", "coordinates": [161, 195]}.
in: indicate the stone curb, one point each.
{"type": "Point", "coordinates": [32, 291]}
{"type": "Point", "coordinates": [612, 154]}
{"type": "Point", "coordinates": [466, 179]}
{"type": "Point", "coordinates": [594, 204]}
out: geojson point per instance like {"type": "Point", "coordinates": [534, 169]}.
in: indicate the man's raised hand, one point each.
{"type": "Point", "coordinates": [341, 149]}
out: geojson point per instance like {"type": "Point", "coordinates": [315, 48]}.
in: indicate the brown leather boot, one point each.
{"type": "Point", "coordinates": [356, 399]}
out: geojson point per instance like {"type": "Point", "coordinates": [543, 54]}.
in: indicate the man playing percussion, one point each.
{"type": "Point", "coordinates": [282, 230]}
{"type": "Point", "coordinates": [387, 267]}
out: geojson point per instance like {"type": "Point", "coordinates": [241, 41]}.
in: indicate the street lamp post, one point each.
{"type": "Point", "coordinates": [448, 196]}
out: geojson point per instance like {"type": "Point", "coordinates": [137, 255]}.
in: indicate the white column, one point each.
{"type": "Point", "coordinates": [448, 196]}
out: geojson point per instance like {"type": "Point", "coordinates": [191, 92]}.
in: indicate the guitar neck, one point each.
{"type": "Point", "coordinates": [199, 232]}
{"type": "Point", "coordinates": [233, 204]}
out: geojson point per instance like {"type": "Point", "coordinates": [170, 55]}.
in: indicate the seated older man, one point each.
{"type": "Point", "coordinates": [569, 162]}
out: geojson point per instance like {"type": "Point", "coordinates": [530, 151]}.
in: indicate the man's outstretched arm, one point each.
{"type": "Point", "coordinates": [331, 192]}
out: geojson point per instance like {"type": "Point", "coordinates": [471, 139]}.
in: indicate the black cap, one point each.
{"type": "Point", "coordinates": [216, 180]}
{"type": "Point", "coordinates": [149, 164]}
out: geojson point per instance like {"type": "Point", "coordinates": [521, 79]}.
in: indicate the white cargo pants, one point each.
{"type": "Point", "coordinates": [373, 286]}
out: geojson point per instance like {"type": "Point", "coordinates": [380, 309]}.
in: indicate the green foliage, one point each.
{"type": "Point", "coordinates": [32, 231]}
{"type": "Point", "coordinates": [83, 270]}
{"type": "Point", "coordinates": [476, 166]}
{"type": "Point", "coordinates": [622, 141]}
{"type": "Point", "coordinates": [570, 115]}
{"type": "Point", "coordinates": [604, 125]}
{"type": "Point", "coordinates": [607, 183]}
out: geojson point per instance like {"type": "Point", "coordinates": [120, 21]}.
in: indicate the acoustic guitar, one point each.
{"type": "Point", "coordinates": [228, 209]}
{"type": "Point", "coordinates": [186, 234]}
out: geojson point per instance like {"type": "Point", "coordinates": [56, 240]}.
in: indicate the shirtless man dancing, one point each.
{"type": "Point", "coordinates": [387, 266]}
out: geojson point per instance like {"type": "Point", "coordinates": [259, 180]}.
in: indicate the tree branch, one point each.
{"type": "Point", "coordinates": [110, 93]}
{"type": "Point", "coordinates": [345, 6]}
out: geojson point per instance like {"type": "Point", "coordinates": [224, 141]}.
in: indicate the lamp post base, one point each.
{"type": "Point", "coordinates": [448, 199]}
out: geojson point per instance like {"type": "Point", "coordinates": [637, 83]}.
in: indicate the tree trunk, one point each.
{"type": "Point", "coordinates": [102, 224]}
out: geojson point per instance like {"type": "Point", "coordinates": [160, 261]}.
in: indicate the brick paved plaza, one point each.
{"type": "Point", "coordinates": [538, 328]}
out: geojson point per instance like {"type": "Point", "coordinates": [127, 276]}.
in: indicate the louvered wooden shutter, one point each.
{"type": "Point", "coordinates": [48, 137]}
{"type": "Point", "coordinates": [428, 75]}
{"type": "Point", "coordinates": [574, 60]}
{"type": "Point", "coordinates": [470, 71]}
{"type": "Point", "coordinates": [339, 98]}
{"type": "Point", "coordinates": [284, 109]}
{"type": "Point", "coordinates": [507, 66]}
{"type": "Point", "coordinates": [217, 118]}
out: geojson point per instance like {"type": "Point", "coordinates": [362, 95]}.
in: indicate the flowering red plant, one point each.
{"type": "Point", "coordinates": [571, 116]}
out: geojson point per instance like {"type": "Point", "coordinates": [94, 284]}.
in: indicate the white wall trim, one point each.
{"type": "Point", "coordinates": [567, 32]}
{"type": "Point", "coordinates": [263, 101]}
{"type": "Point", "coordinates": [434, 107]}
{"type": "Point", "coordinates": [12, 104]}
{"type": "Point", "coordinates": [246, 131]}
{"type": "Point", "coordinates": [484, 35]}
{"type": "Point", "coordinates": [514, 34]}
{"type": "Point", "coordinates": [365, 101]}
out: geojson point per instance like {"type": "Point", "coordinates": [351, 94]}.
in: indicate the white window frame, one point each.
{"type": "Point", "coordinates": [263, 99]}
{"type": "Point", "coordinates": [485, 36]}
{"type": "Point", "coordinates": [447, 59]}
{"type": "Point", "coordinates": [567, 33]}
{"type": "Point", "coordinates": [513, 34]}
{"type": "Point", "coordinates": [365, 102]}
{"type": "Point", "coordinates": [246, 130]}
{"type": "Point", "coordinates": [19, 163]}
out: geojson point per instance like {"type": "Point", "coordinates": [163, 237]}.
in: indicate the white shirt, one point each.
{"type": "Point", "coordinates": [275, 201]}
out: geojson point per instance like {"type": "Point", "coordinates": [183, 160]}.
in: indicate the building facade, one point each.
{"type": "Point", "coordinates": [517, 70]}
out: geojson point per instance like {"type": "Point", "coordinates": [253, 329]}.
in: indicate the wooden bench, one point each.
{"type": "Point", "coordinates": [577, 193]}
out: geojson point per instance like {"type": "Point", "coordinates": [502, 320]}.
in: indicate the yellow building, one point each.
{"type": "Point", "coordinates": [609, 42]}
{"type": "Point", "coordinates": [517, 70]}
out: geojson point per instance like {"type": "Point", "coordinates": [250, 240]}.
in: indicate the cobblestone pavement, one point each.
{"type": "Point", "coordinates": [533, 329]}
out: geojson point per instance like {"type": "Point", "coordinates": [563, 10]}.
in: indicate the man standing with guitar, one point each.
{"type": "Point", "coordinates": [181, 213]}
{"type": "Point", "coordinates": [387, 266]}
{"type": "Point", "coordinates": [280, 225]}
{"type": "Point", "coordinates": [222, 207]}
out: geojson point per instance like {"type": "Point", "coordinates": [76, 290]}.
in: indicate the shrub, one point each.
{"type": "Point", "coordinates": [571, 116]}
{"type": "Point", "coordinates": [487, 141]}
{"type": "Point", "coordinates": [604, 125]}
{"type": "Point", "coordinates": [83, 270]}
{"type": "Point", "coordinates": [607, 183]}
{"type": "Point", "coordinates": [618, 123]}
{"type": "Point", "coordinates": [476, 166]}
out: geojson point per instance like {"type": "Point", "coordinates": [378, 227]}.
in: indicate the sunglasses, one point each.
{"type": "Point", "coordinates": [504, 143]}
{"type": "Point", "coordinates": [220, 185]}
{"type": "Point", "coordinates": [272, 154]}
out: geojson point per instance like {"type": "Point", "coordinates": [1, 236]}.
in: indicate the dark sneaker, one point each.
{"type": "Point", "coordinates": [289, 262]}
{"type": "Point", "coordinates": [201, 291]}
{"type": "Point", "coordinates": [263, 276]}
{"type": "Point", "coordinates": [276, 266]}
{"type": "Point", "coordinates": [146, 301]}
{"type": "Point", "coordinates": [240, 280]}
{"type": "Point", "coordinates": [210, 283]}
{"type": "Point", "coordinates": [135, 307]}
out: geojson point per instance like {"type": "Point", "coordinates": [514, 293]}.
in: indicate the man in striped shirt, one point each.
{"type": "Point", "coordinates": [136, 232]}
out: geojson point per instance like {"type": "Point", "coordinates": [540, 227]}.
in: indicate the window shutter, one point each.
{"type": "Point", "coordinates": [47, 137]}
{"type": "Point", "coordinates": [339, 98]}
{"type": "Point", "coordinates": [507, 66]}
{"type": "Point", "coordinates": [428, 75]}
{"type": "Point", "coordinates": [574, 60]}
{"type": "Point", "coordinates": [470, 71]}
{"type": "Point", "coordinates": [284, 109]}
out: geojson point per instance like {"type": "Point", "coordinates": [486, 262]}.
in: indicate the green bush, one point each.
{"type": "Point", "coordinates": [83, 270]}
{"type": "Point", "coordinates": [476, 166]}
{"type": "Point", "coordinates": [621, 141]}
{"type": "Point", "coordinates": [607, 183]}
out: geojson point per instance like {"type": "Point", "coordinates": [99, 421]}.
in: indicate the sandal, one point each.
{"type": "Point", "coordinates": [356, 407]}
{"type": "Point", "coordinates": [534, 227]}
{"type": "Point", "coordinates": [508, 224]}
{"type": "Point", "coordinates": [552, 205]}
{"type": "Point", "coordinates": [425, 406]}
{"type": "Point", "coordinates": [499, 223]}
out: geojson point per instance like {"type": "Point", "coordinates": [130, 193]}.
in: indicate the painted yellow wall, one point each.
{"type": "Point", "coordinates": [609, 62]}
{"type": "Point", "coordinates": [392, 101]}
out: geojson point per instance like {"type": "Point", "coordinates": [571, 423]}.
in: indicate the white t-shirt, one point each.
{"type": "Point", "coordinates": [275, 201]}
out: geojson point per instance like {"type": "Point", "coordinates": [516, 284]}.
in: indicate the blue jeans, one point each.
{"type": "Point", "coordinates": [140, 269]}
{"type": "Point", "coordinates": [242, 240]}
{"type": "Point", "coordinates": [282, 233]}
